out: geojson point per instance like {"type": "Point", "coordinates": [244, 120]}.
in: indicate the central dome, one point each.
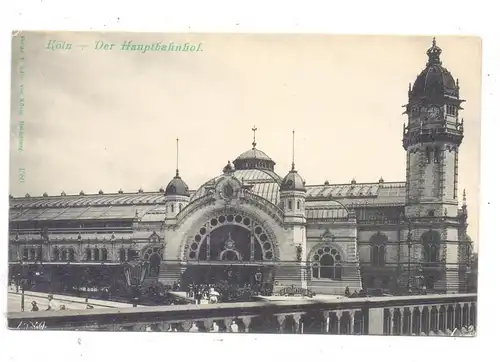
{"type": "Point", "coordinates": [254, 159]}
{"type": "Point", "coordinates": [434, 79]}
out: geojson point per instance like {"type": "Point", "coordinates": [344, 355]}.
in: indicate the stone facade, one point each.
{"type": "Point", "coordinates": [382, 235]}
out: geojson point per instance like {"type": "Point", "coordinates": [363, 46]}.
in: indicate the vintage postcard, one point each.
{"type": "Point", "coordinates": [308, 184]}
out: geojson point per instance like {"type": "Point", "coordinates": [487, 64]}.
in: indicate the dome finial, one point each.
{"type": "Point", "coordinates": [293, 150]}
{"type": "Point", "coordinates": [177, 161]}
{"type": "Point", "coordinates": [254, 143]}
{"type": "Point", "coordinates": [433, 53]}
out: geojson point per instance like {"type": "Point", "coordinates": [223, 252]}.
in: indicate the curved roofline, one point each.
{"type": "Point", "coordinates": [326, 206]}
{"type": "Point", "coordinates": [255, 150]}
{"type": "Point", "coordinates": [272, 174]}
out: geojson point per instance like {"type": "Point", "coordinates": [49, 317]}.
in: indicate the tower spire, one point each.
{"type": "Point", "coordinates": [177, 161]}
{"type": "Point", "coordinates": [254, 143]}
{"type": "Point", "coordinates": [433, 53]}
{"type": "Point", "coordinates": [293, 150]}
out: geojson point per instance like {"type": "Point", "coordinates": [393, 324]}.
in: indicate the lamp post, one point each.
{"type": "Point", "coordinates": [136, 275]}
{"type": "Point", "coordinates": [21, 282]}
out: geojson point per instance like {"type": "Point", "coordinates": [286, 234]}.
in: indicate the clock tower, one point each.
{"type": "Point", "coordinates": [431, 140]}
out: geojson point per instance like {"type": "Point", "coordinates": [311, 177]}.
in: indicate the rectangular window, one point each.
{"type": "Point", "coordinates": [428, 154]}
{"type": "Point", "coordinates": [437, 155]}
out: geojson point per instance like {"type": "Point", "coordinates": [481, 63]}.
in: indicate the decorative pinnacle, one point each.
{"type": "Point", "coordinates": [177, 161]}
{"type": "Point", "coordinates": [293, 150]}
{"type": "Point", "coordinates": [433, 53]}
{"type": "Point", "coordinates": [254, 143]}
{"type": "Point", "coordinates": [464, 199]}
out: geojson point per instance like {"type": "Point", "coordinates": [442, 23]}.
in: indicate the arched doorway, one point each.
{"type": "Point", "coordinates": [230, 248]}
{"type": "Point", "coordinates": [152, 255]}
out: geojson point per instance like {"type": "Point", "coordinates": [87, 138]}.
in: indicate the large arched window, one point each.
{"type": "Point", "coordinates": [153, 256]}
{"type": "Point", "coordinates": [247, 239]}
{"type": "Point", "coordinates": [229, 255]}
{"type": "Point", "coordinates": [327, 264]}
{"type": "Point", "coordinates": [430, 242]}
{"type": "Point", "coordinates": [378, 249]}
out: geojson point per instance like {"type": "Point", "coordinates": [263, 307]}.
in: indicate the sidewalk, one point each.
{"type": "Point", "coordinates": [70, 299]}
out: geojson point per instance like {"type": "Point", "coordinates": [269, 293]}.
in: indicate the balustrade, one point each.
{"type": "Point", "coordinates": [429, 319]}
{"type": "Point", "coordinates": [414, 315]}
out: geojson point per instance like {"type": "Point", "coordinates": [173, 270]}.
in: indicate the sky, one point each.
{"type": "Point", "coordinates": [108, 119]}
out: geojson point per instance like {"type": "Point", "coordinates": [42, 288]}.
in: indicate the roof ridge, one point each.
{"type": "Point", "coordinates": [41, 197]}
{"type": "Point", "coordinates": [358, 183]}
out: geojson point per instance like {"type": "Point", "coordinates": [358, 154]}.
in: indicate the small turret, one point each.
{"type": "Point", "coordinates": [176, 193]}
{"type": "Point", "coordinates": [293, 193]}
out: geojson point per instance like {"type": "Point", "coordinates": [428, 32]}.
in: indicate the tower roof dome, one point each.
{"type": "Point", "coordinates": [293, 182]}
{"type": "Point", "coordinates": [252, 154]}
{"type": "Point", "coordinates": [254, 159]}
{"type": "Point", "coordinates": [177, 186]}
{"type": "Point", "coordinates": [434, 79]}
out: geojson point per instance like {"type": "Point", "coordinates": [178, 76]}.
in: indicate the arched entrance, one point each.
{"type": "Point", "coordinates": [152, 255]}
{"type": "Point", "coordinates": [230, 248]}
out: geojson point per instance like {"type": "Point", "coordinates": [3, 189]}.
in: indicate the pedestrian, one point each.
{"type": "Point", "coordinates": [215, 327]}
{"type": "Point", "coordinates": [50, 304]}
{"type": "Point", "coordinates": [214, 296]}
{"type": "Point", "coordinates": [34, 307]}
{"type": "Point", "coordinates": [234, 327]}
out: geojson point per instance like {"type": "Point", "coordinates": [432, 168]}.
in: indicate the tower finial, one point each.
{"type": "Point", "coordinates": [254, 143]}
{"type": "Point", "coordinates": [464, 199]}
{"type": "Point", "coordinates": [433, 53]}
{"type": "Point", "coordinates": [293, 150]}
{"type": "Point", "coordinates": [177, 161]}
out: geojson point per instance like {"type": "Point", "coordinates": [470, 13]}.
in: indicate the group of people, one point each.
{"type": "Point", "coordinates": [51, 305]}
{"type": "Point", "coordinates": [223, 292]}
{"type": "Point", "coordinates": [204, 293]}
{"type": "Point", "coordinates": [354, 294]}
{"type": "Point", "coordinates": [214, 328]}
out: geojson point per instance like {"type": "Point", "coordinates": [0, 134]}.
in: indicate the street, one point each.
{"type": "Point", "coordinates": [14, 302]}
